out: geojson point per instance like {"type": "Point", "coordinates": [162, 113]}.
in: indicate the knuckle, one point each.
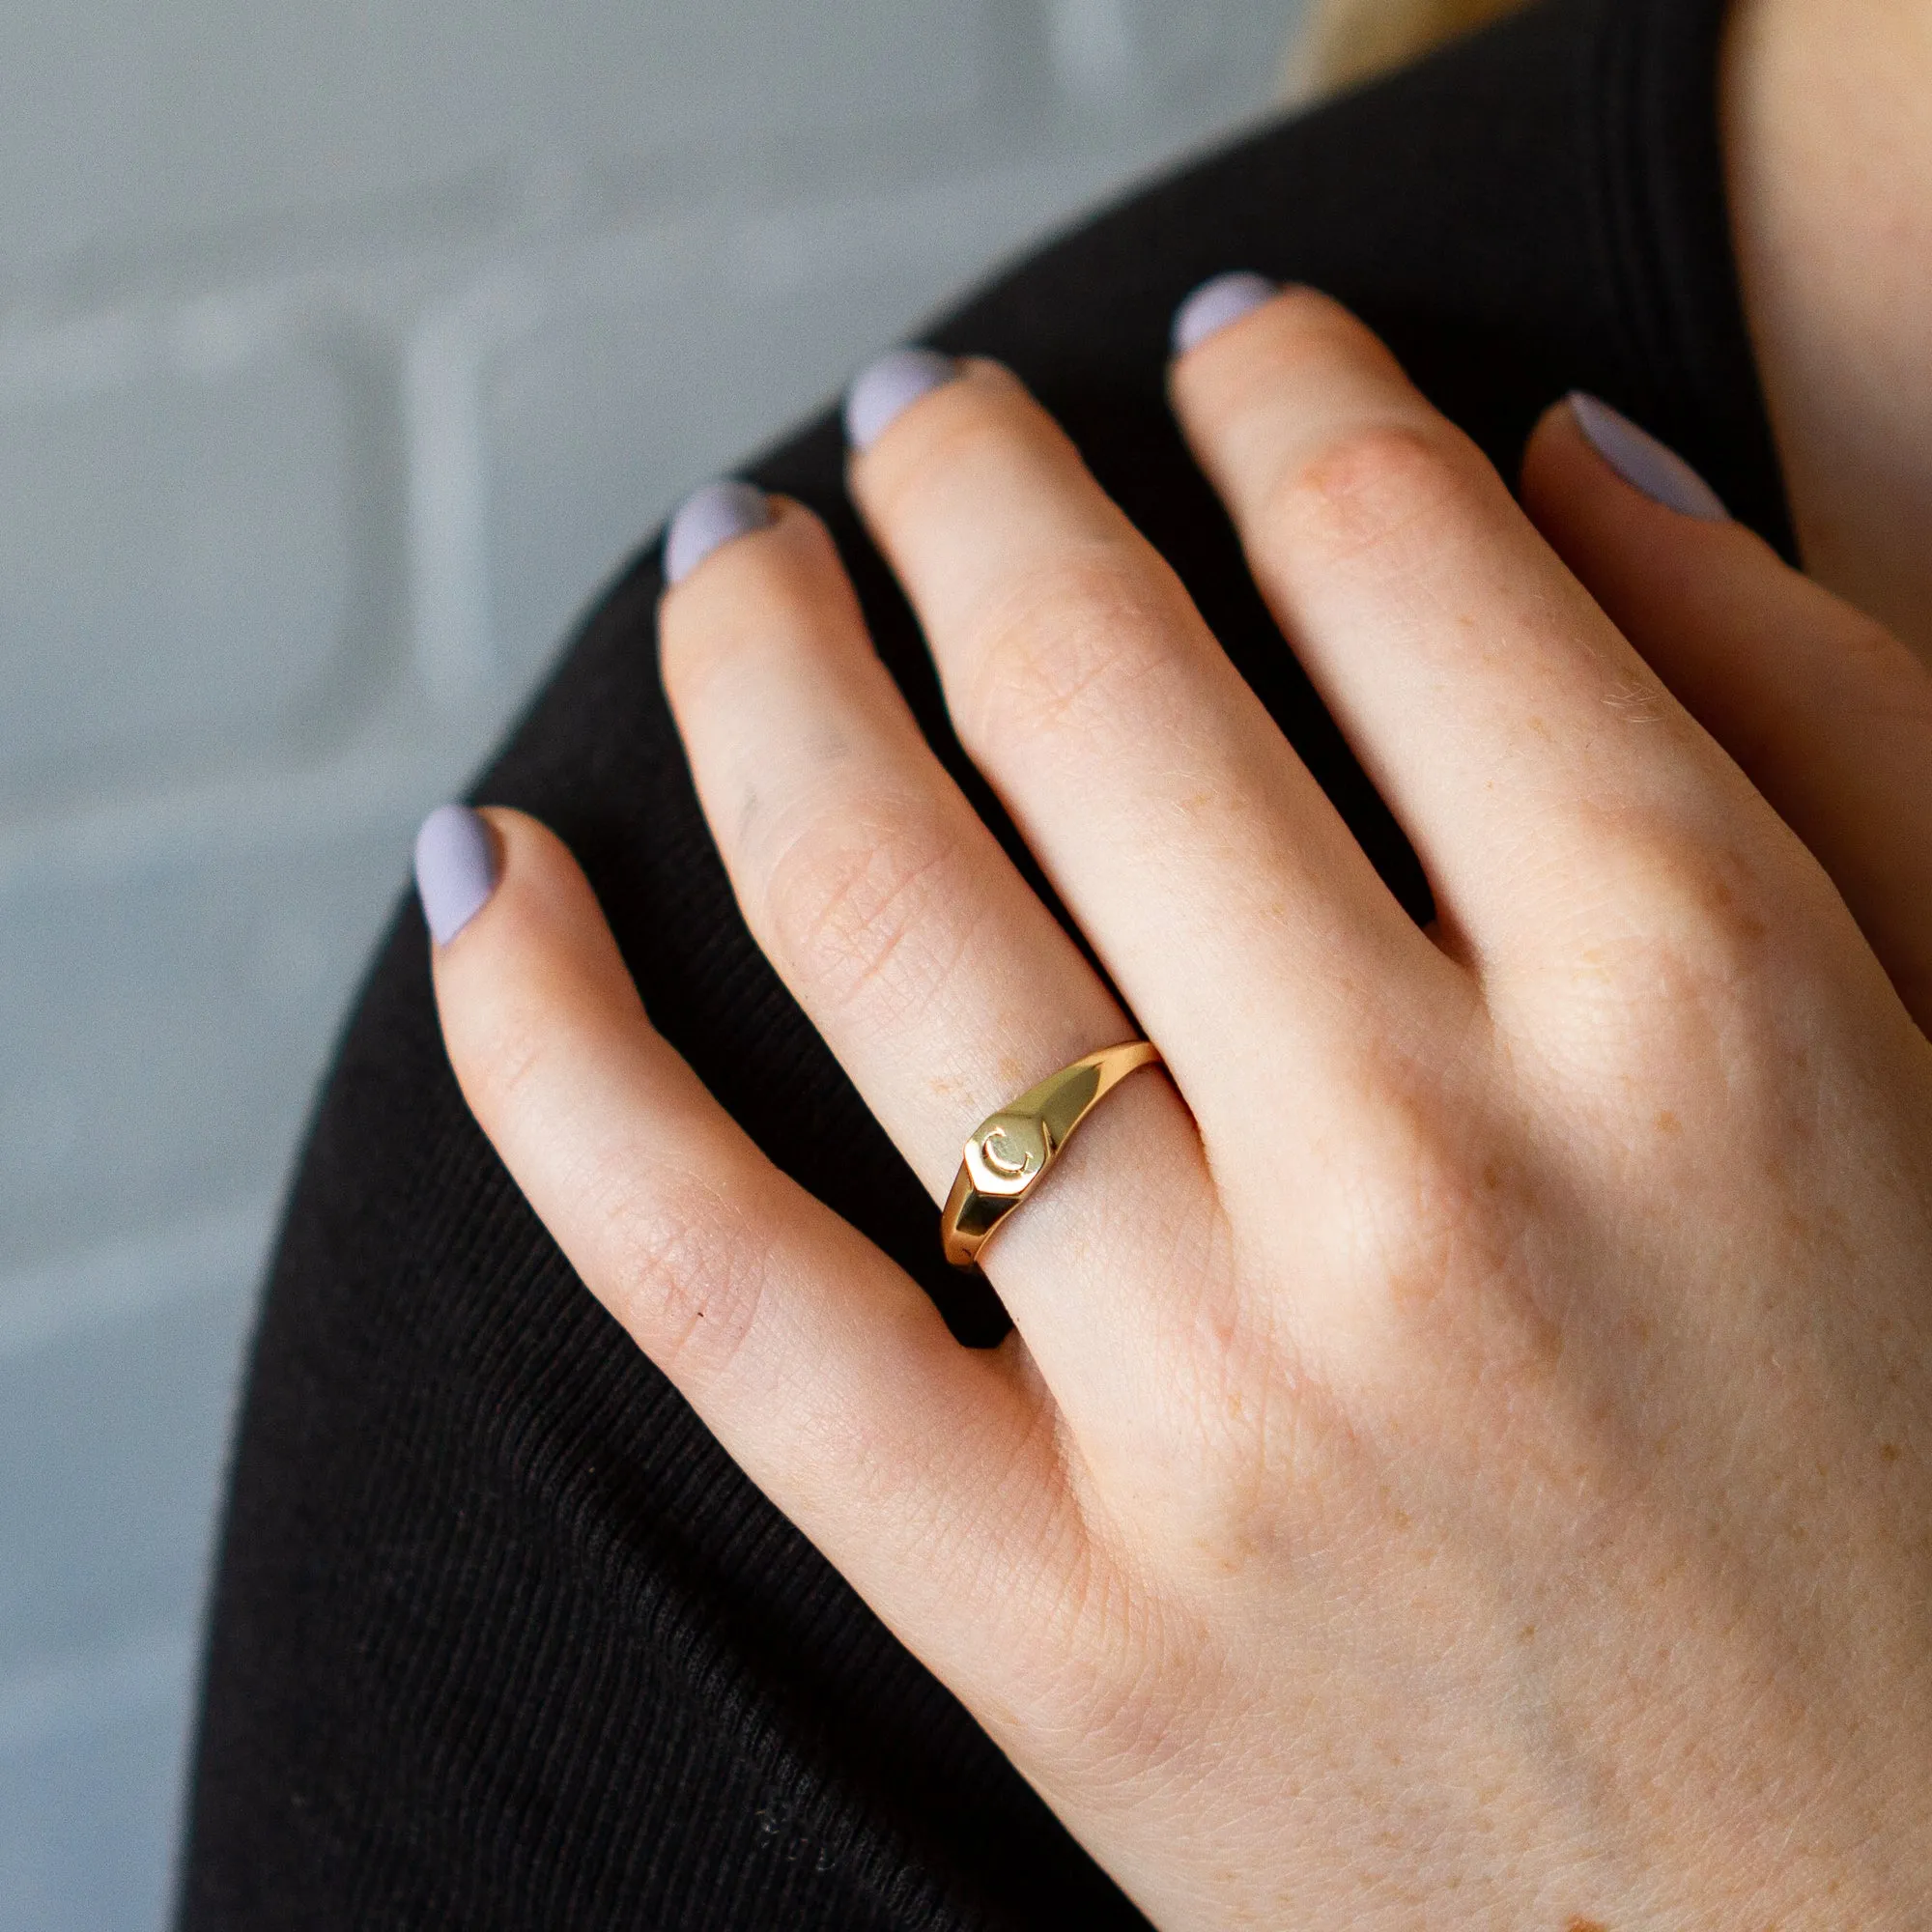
{"type": "Point", "coordinates": [500, 1057]}
{"type": "Point", "coordinates": [1442, 1212]}
{"type": "Point", "coordinates": [1429, 1197]}
{"type": "Point", "coordinates": [862, 902]}
{"type": "Point", "coordinates": [1371, 488]}
{"type": "Point", "coordinates": [505, 1050]}
{"type": "Point", "coordinates": [1707, 910]}
{"type": "Point", "coordinates": [1709, 941]}
{"type": "Point", "coordinates": [691, 1273]}
{"type": "Point", "coordinates": [1706, 980]}
{"type": "Point", "coordinates": [1069, 648]}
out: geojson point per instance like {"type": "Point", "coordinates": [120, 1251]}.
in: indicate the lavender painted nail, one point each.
{"type": "Point", "coordinates": [1215, 304]}
{"type": "Point", "coordinates": [1644, 463]}
{"type": "Point", "coordinates": [456, 869]}
{"type": "Point", "coordinates": [708, 519]}
{"type": "Point", "coordinates": [891, 385]}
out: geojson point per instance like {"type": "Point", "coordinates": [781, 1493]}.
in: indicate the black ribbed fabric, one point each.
{"type": "Point", "coordinates": [500, 1637]}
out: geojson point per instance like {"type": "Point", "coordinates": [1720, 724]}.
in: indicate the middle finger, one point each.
{"type": "Point", "coordinates": [1191, 845]}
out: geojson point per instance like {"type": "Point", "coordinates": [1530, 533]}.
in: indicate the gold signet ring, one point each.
{"type": "Point", "coordinates": [1011, 1150]}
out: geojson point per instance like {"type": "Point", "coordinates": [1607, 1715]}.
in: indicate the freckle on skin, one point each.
{"type": "Point", "coordinates": [1722, 898]}
{"type": "Point", "coordinates": [1889, 1451]}
{"type": "Point", "coordinates": [1667, 1122]}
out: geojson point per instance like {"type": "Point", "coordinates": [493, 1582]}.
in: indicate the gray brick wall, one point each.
{"type": "Point", "coordinates": [343, 352]}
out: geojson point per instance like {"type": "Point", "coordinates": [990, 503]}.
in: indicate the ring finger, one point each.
{"type": "Point", "coordinates": [936, 974]}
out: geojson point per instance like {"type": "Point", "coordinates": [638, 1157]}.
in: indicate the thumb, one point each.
{"type": "Point", "coordinates": [1829, 714]}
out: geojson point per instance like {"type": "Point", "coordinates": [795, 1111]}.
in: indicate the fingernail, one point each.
{"type": "Point", "coordinates": [1214, 304]}
{"type": "Point", "coordinates": [891, 386]}
{"type": "Point", "coordinates": [456, 869]}
{"type": "Point", "coordinates": [709, 519]}
{"type": "Point", "coordinates": [1644, 463]}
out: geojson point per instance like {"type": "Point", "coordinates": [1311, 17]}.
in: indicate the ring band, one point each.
{"type": "Point", "coordinates": [1010, 1152]}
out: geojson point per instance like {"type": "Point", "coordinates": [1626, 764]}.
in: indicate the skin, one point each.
{"type": "Point", "coordinates": [1829, 154]}
{"type": "Point", "coordinates": [1467, 1452]}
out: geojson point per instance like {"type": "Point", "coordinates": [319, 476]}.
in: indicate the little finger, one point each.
{"type": "Point", "coordinates": [823, 1369]}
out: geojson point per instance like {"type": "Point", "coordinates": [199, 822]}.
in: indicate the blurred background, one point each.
{"type": "Point", "coordinates": [344, 351]}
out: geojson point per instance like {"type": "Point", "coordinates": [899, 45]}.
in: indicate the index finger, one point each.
{"type": "Point", "coordinates": [1827, 713]}
{"type": "Point", "coordinates": [1542, 770]}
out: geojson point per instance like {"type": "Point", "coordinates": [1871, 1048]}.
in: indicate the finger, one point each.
{"type": "Point", "coordinates": [1174, 819]}
{"type": "Point", "coordinates": [1540, 768]}
{"type": "Point", "coordinates": [936, 974]}
{"type": "Point", "coordinates": [822, 1368]}
{"type": "Point", "coordinates": [1827, 712]}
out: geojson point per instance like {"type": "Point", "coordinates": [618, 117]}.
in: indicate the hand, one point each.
{"type": "Point", "coordinates": [1467, 1453]}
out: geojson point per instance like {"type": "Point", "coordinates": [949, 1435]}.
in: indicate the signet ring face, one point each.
{"type": "Point", "coordinates": [1007, 1155]}
{"type": "Point", "coordinates": [1010, 1152]}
